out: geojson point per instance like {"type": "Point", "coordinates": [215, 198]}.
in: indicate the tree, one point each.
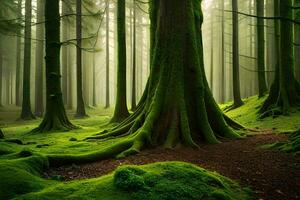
{"type": "Point", "coordinates": [26, 113]}
{"type": "Point", "coordinates": [18, 57]}
{"type": "Point", "coordinates": [262, 85]}
{"type": "Point", "coordinates": [39, 74]}
{"type": "Point", "coordinates": [121, 111]}
{"type": "Point", "coordinates": [107, 99]}
{"type": "Point", "coordinates": [55, 117]}
{"type": "Point", "coordinates": [285, 90]}
{"type": "Point", "coordinates": [80, 112]}
{"type": "Point", "coordinates": [237, 101]}
{"type": "Point", "coordinates": [133, 91]}
{"type": "Point", "coordinates": [177, 105]}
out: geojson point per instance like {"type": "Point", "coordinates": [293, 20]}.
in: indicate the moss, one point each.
{"type": "Point", "coordinates": [159, 181]}
{"type": "Point", "coordinates": [249, 117]}
{"type": "Point", "coordinates": [290, 146]}
{"type": "Point", "coordinates": [21, 175]}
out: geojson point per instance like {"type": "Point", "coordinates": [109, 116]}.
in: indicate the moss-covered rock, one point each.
{"type": "Point", "coordinates": [158, 181]}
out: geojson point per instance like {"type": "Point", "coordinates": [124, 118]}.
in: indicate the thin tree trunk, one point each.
{"type": "Point", "coordinates": [1, 77]}
{"type": "Point", "coordinates": [65, 51]}
{"type": "Point", "coordinates": [18, 57]}
{"type": "Point", "coordinates": [235, 56]}
{"type": "Point", "coordinates": [262, 85]}
{"type": "Point", "coordinates": [211, 53]}
{"type": "Point", "coordinates": [223, 72]}
{"type": "Point", "coordinates": [39, 74]}
{"type": "Point", "coordinates": [94, 81]}
{"type": "Point", "coordinates": [133, 91]}
{"type": "Point", "coordinates": [80, 112]}
{"type": "Point", "coordinates": [121, 111]}
{"type": "Point", "coordinates": [26, 113]}
{"type": "Point", "coordinates": [107, 97]}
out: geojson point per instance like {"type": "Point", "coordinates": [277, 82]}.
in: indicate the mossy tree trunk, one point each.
{"type": "Point", "coordinates": [237, 101]}
{"type": "Point", "coordinates": [26, 113]}
{"type": "Point", "coordinates": [80, 111]}
{"type": "Point", "coordinates": [285, 90]}
{"type": "Point", "coordinates": [177, 106]}
{"type": "Point", "coordinates": [133, 91]}
{"type": "Point", "coordinates": [262, 85]}
{"type": "Point", "coordinates": [121, 110]}
{"type": "Point", "coordinates": [55, 118]}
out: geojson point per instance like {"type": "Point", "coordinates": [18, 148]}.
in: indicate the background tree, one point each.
{"type": "Point", "coordinates": [39, 73]}
{"type": "Point", "coordinates": [26, 113]}
{"type": "Point", "coordinates": [285, 90]}
{"type": "Point", "coordinates": [55, 117]}
{"type": "Point", "coordinates": [262, 85]}
{"type": "Point", "coordinates": [107, 98]}
{"type": "Point", "coordinates": [80, 112]}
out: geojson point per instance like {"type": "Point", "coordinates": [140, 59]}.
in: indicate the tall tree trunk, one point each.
{"type": "Point", "coordinates": [39, 73]}
{"type": "Point", "coordinates": [18, 57]}
{"type": "Point", "coordinates": [80, 112]}
{"type": "Point", "coordinates": [1, 76]}
{"type": "Point", "coordinates": [65, 50]}
{"type": "Point", "coordinates": [26, 113]}
{"type": "Point", "coordinates": [211, 53]}
{"type": "Point", "coordinates": [55, 118]}
{"type": "Point", "coordinates": [133, 91]}
{"type": "Point", "coordinates": [285, 90]}
{"type": "Point", "coordinates": [178, 106]}
{"type": "Point", "coordinates": [107, 97]}
{"type": "Point", "coordinates": [121, 111]}
{"type": "Point", "coordinates": [262, 85]}
{"type": "Point", "coordinates": [237, 101]}
{"type": "Point", "coordinates": [297, 41]}
{"type": "Point", "coordinates": [223, 61]}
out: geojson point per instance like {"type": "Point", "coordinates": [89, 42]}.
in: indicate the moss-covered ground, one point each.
{"type": "Point", "coordinates": [21, 164]}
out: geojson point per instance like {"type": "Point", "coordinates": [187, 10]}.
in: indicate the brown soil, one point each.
{"type": "Point", "coordinates": [271, 174]}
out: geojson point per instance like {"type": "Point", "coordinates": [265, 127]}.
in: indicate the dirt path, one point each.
{"type": "Point", "coordinates": [272, 175]}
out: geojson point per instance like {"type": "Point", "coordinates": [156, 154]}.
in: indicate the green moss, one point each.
{"type": "Point", "coordinates": [290, 146]}
{"type": "Point", "coordinates": [21, 175]}
{"type": "Point", "coordinates": [247, 115]}
{"type": "Point", "coordinates": [159, 181]}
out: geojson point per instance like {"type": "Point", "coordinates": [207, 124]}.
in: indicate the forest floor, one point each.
{"type": "Point", "coordinates": [270, 173]}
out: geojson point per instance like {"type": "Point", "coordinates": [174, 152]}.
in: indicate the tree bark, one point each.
{"type": "Point", "coordinates": [107, 97]}
{"type": "Point", "coordinates": [262, 85]}
{"type": "Point", "coordinates": [237, 101]}
{"type": "Point", "coordinates": [55, 118]}
{"type": "Point", "coordinates": [26, 113]}
{"type": "Point", "coordinates": [177, 105]}
{"type": "Point", "coordinates": [18, 59]}
{"type": "Point", "coordinates": [39, 73]}
{"type": "Point", "coordinates": [133, 91]}
{"type": "Point", "coordinates": [80, 112]}
{"type": "Point", "coordinates": [121, 111]}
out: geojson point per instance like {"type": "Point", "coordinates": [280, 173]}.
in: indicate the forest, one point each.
{"type": "Point", "coordinates": [150, 99]}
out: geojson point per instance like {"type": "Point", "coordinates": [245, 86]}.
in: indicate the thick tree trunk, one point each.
{"type": "Point", "coordinates": [80, 112]}
{"type": "Point", "coordinates": [121, 111]}
{"type": "Point", "coordinates": [18, 59]}
{"type": "Point", "coordinates": [133, 91]}
{"type": "Point", "coordinates": [285, 90]}
{"type": "Point", "coordinates": [107, 97]}
{"type": "Point", "coordinates": [55, 118]}
{"type": "Point", "coordinates": [39, 60]}
{"type": "Point", "coordinates": [262, 85]}
{"type": "Point", "coordinates": [237, 101]}
{"type": "Point", "coordinates": [26, 113]}
{"type": "Point", "coordinates": [223, 72]}
{"type": "Point", "coordinates": [177, 105]}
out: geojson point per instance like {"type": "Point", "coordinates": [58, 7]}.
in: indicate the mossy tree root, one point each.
{"type": "Point", "coordinates": [177, 106]}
